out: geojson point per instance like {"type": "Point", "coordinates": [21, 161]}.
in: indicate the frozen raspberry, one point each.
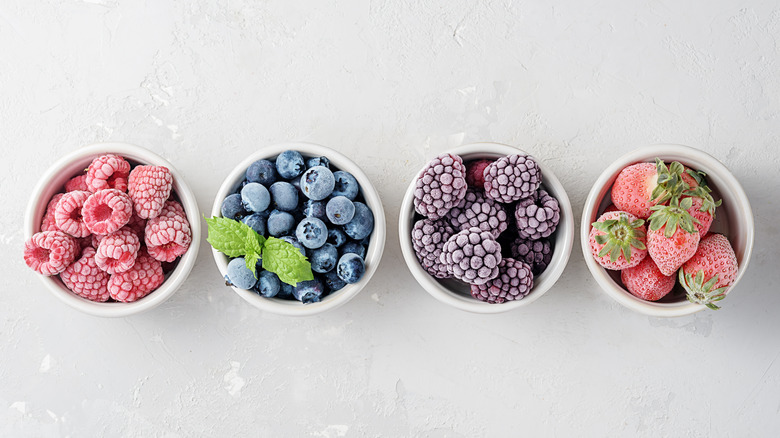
{"type": "Point", "coordinates": [514, 282]}
{"type": "Point", "coordinates": [536, 253]}
{"type": "Point", "coordinates": [512, 178]}
{"type": "Point", "coordinates": [117, 252]}
{"type": "Point", "coordinates": [77, 183]}
{"type": "Point", "coordinates": [107, 211]}
{"type": "Point", "coordinates": [85, 279]}
{"type": "Point", "coordinates": [428, 238]}
{"type": "Point", "coordinates": [50, 252]}
{"type": "Point", "coordinates": [477, 210]}
{"type": "Point", "coordinates": [173, 208]}
{"type": "Point", "coordinates": [472, 255]}
{"type": "Point", "coordinates": [137, 224]}
{"type": "Point", "coordinates": [149, 188]}
{"type": "Point", "coordinates": [145, 276]}
{"type": "Point", "coordinates": [108, 172]}
{"type": "Point", "coordinates": [537, 216]}
{"type": "Point", "coordinates": [48, 223]}
{"type": "Point", "coordinates": [167, 237]}
{"type": "Point", "coordinates": [440, 186]}
{"type": "Point", "coordinates": [67, 215]}
{"type": "Point", "coordinates": [475, 172]}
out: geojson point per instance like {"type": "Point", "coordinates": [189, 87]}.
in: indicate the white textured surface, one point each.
{"type": "Point", "coordinates": [390, 83]}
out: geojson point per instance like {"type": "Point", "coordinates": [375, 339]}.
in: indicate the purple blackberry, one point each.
{"type": "Point", "coordinates": [473, 256]}
{"type": "Point", "coordinates": [537, 216]}
{"type": "Point", "coordinates": [428, 238]}
{"type": "Point", "coordinates": [512, 178]}
{"type": "Point", "coordinates": [477, 210]}
{"type": "Point", "coordinates": [513, 282]}
{"type": "Point", "coordinates": [536, 253]}
{"type": "Point", "coordinates": [440, 186]}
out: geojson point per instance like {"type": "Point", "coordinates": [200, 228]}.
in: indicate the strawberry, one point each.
{"type": "Point", "coordinates": [617, 240]}
{"type": "Point", "coordinates": [703, 208]}
{"type": "Point", "coordinates": [672, 238]}
{"type": "Point", "coordinates": [640, 186]}
{"type": "Point", "coordinates": [646, 281]}
{"type": "Point", "coordinates": [709, 273]}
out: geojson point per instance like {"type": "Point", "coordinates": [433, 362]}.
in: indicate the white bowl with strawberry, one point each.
{"type": "Point", "coordinates": [667, 230]}
{"type": "Point", "coordinates": [112, 229]}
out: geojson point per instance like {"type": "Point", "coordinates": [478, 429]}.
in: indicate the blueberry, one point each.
{"type": "Point", "coordinates": [336, 237]}
{"type": "Point", "coordinates": [239, 275]}
{"type": "Point", "coordinates": [263, 172]}
{"type": "Point", "coordinates": [280, 223]}
{"type": "Point", "coordinates": [340, 210]}
{"type": "Point", "coordinates": [351, 268]}
{"type": "Point", "coordinates": [292, 240]}
{"type": "Point", "coordinates": [285, 291]}
{"type": "Point", "coordinates": [314, 209]}
{"type": "Point", "coordinates": [353, 247]}
{"type": "Point", "coordinates": [268, 284]}
{"type": "Point", "coordinates": [232, 208]}
{"type": "Point", "coordinates": [323, 259]}
{"type": "Point", "coordinates": [317, 183]}
{"type": "Point", "coordinates": [317, 161]}
{"type": "Point", "coordinates": [312, 232]}
{"type": "Point", "coordinates": [290, 164]}
{"type": "Point", "coordinates": [332, 281]}
{"type": "Point", "coordinates": [346, 185]}
{"type": "Point", "coordinates": [256, 222]}
{"type": "Point", "coordinates": [362, 224]}
{"type": "Point", "coordinates": [308, 291]}
{"type": "Point", "coordinates": [255, 197]}
{"type": "Point", "coordinates": [285, 196]}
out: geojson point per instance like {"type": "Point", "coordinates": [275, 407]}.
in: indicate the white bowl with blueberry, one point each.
{"type": "Point", "coordinates": [307, 219]}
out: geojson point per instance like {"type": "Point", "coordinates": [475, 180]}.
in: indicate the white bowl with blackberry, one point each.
{"type": "Point", "coordinates": [307, 219]}
{"type": "Point", "coordinates": [497, 242]}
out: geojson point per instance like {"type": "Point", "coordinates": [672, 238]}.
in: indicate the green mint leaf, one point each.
{"type": "Point", "coordinates": [254, 241]}
{"type": "Point", "coordinates": [286, 261]}
{"type": "Point", "coordinates": [229, 237]}
{"type": "Point", "coordinates": [251, 262]}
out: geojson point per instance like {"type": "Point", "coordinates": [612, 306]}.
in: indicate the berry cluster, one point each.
{"type": "Point", "coordinates": [465, 232]}
{"type": "Point", "coordinates": [108, 235]}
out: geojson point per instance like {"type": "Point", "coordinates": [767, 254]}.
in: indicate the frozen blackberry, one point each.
{"type": "Point", "coordinates": [472, 255]}
{"type": "Point", "coordinates": [513, 282]}
{"type": "Point", "coordinates": [440, 186]}
{"type": "Point", "coordinates": [512, 178]}
{"type": "Point", "coordinates": [428, 239]}
{"type": "Point", "coordinates": [536, 253]}
{"type": "Point", "coordinates": [537, 216]}
{"type": "Point", "coordinates": [477, 210]}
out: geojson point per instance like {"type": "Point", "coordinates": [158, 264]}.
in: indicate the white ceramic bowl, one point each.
{"type": "Point", "coordinates": [734, 219]}
{"type": "Point", "coordinates": [375, 247]}
{"type": "Point", "coordinates": [456, 293]}
{"type": "Point", "coordinates": [67, 167]}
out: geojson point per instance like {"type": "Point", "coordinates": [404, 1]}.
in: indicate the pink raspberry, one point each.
{"type": "Point", "coordinates": [67, 215]}
{"type": "Point", "coordinates": [145, 276]}
{"type": "Point", "coordinates": [117, 252]}
{"type": "Point", "coordinates": [149, 188]}
{"type": "Point", "coordinates": [107, 211]}
{"type": "Point", "coordinates": [475, 172]}
{"type": "Point", "coordinates": [108, 172]}
{"type": "Point", "coordinates": [50, 252]}
{"type": "Point", "coordinates": [77, 183]}
{"type": "Point", "coordinates": [137, 224]}
{"type": "Point", "coordinates": [167, 237]}
{"type": "Point", "coordinates": [514, 282]}
{"type": "Point", "coordinates": [173, 208]}
{"type": "Point", "coordinates": [85, 279]}
{"type": "Point", "coordinates": [48, 223]}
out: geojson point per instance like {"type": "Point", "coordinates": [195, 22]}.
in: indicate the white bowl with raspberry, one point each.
{"type": "Point", "coordinates": [458, 293]}
{"type": "Point", "coordinates": [72, 165]}
{"type": "Point", "coordinates": [734, 219]}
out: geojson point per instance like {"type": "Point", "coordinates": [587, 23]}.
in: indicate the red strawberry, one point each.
{"type": "Point", "coordinates": [640, 186]}
{"type": "Point", "coordinates": [646, 281]}
{"type": "Point", "coordinates": [672, 238]}
{"type": "Point", "coordinates": [709, 273]}
{"type": "Point", "coordinates": [703, 208]}
{"type": "Point", "coordinates": [617, 240]}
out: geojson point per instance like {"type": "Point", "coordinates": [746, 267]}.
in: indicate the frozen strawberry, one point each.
{"type": "Point", "coordinates": [640, 186]}
{"type": "Point", "coordinates": [85, 279]}
{"type": "Point", "coordinates": [149, 188]}
{"type": "Point", "coordinates": [672, 238]}
{"type": "Point", "coordinates": [646, 281]}
{"type": "Point", "coordinates": [708, 274]}
{"type": "Point", "coordinates": [617, 240]}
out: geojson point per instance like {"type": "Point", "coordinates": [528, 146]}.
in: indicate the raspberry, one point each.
{"type": "Point", "coordinates": [172, 208]}
{"type": "Point", "coordinates": [50, 252]}
{"type": "Point", "coordinates": [137, 224]}
{"type": "Point", "coordinates": [107, 211]}
{"type": "Point", "coordinates": [513, 282]}
{"type": "Point", "coordinates": [512, 178]}
{"type": "Point", "coordinates": [85, 279]}
{"type": "Point", "coordinates": [475, 173]}
{"type": "Point", "coordinates": [428, 238]}
{"type": "Point", "coordinates": [440, 186]}
{"type": "Point", "coordinates": [536, 253]}
{"type": "Point", "coordinates": [108, 172]}
{"type": "Point", "coordinates": [537, 216]}
{"type": "Point", "coordinates": [476, 210]}
{"type": "Point", "coordinates": [473, 256]}
{"type": "Point", "coordinates": [149, 187]}
{"type": "Point", "coordinates": [167, 237]}
{"type": "Point", "coordinates": [145, 276]}
{"type": "Point", "coordinates": [67, 215]}
{"type": "Point", "coordinates": [77, 183]}
{"type": "Point", "coordinates": [117, 252]}
{"type": "Point", "coordinates": [48, 223]}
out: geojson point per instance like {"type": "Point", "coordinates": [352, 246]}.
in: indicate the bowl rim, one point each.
{"type": "Point", "coordinates": [563, 242]}
{"type": "Point", "coordinates": [175, 278]}
{"type": "Point", "coordinates": [641, 154]}
{"type": "Point", "coordinates": [375, 248]}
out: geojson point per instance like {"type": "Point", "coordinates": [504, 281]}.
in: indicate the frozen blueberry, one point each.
{"type": "Point", "coordinates": [312, 232]}
{"type": "Point", "coordinates": [353, 247]}
{"type": "Point", "coordinates": [285, 196]}
{"type": "Point", "coordinates": [314, 209]}
{"type": "Point", "coordinates": [238, 274]}
{"type": "Point", "coordinates": [332, 281]}
{"type": "Point", "coordinates": [268, 284]}
{"type": "Point", "coordinates": [292, 240]}
{"type": "Point", "coordinates": [290, 164]}
{"type": "Point", "coordinates": [351, 268]}
{"type": "Point", "coordinates": [346, 185]}
{"type": "Point", "coordinates": [280, 223]}
{"type": "Point", "coordinates": [336, 237]}
{"type": "Point", "coordinates": [340, 210]}
{"type": "Point", "coordinates": [262, 171]}
{"type": "Point", "coordinates": [317, 161]}
{"type": "Point", "coordinates": [317, 183]}
{"type": "Point", "coordinates": [308, 291]}
{"type": "Point", "coordinates": [255, 197]}
{"type": "Point", "coordinates": [285, 291]}
{"type": "Point", "coordinates": [256, 222]}
{"type": "Point", "coordinates": [362, 224]}
{"type": "Point", "coordinates": [323, 259]}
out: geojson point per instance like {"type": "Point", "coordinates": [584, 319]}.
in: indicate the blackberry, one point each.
{"type": "Point", "coordinates": [440, 186]}
{"type": "Point", "coordinates": [514, 282]}
{"type": "Point", "coordinates": [477, 210]}
{"type": "Point", "coordinates": [512, 178]}
{"type": "Point", "coordinates": [537, 216]}
{"type": "Point", "coordinates": [428, 239]}
{"type": "Point", "coordinates": [536, 253]}
{"type": "Point", "coordinates": [472, 255]}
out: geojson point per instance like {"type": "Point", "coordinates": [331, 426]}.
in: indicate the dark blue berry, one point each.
{"type": "Point", "coordinates": [239, 275]}
{"type": "Point", "coordinates": [289, 164]}
{"type": "Point", "coordinates": [268, 284]}
{"type": "Point", "coordinates": [346, 185]}
{"type": "Point", "coordinates": [314, 209]}
{"type": "Point", "coordinates": [280, 223]}
{"type": "Point", "coordinates": [309, 291]}
{"type": "Point", "coordinates": [332, 281]}
{"type": "Point", "coordinates": [324, 258]}
{"type": "Point", "coordinates": [340, 210]}
{"type": "Point", "coordinates": [312, 232]}
{"type": "Point", "coordinates": [285, 291]}
{"type": "Point", "coordinates": [232, 207]}
{"type": "Point", "coordinates": [351, 268]}
{"type": "Point", "coordinates": [255, 197]}
{"type": "Point", "coordinates": [263, 172]}
{"type": "Point", "coordinates": [362, 224]}
{"type": "Point", "coordinates": [292, 240]}
{"type": "Point", "coordinates": [317, 183]}
{"type": "Point", "coordinates": [285, 196]}
{"type": "Point", "coordinates": [317, 161]}
{"type": "Point", "coordinates": [336, 237]}
{"type": "Point", "coordinates": [353, 247]}
{"type": "Point", "coordinates": [256, 222]}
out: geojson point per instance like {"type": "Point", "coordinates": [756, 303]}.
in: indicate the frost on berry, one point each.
{"type": "Point", "coordinates": [477, 210]}
{"type": "Point", "coordinates": [107, 211]}
{"type": "Point", "coordinates": [168, 236]}
{"type": "Point", "coordinates": [50, 252]}
{"type": "Point", "coordinates": [77, 183]}
{"type": "Point", "coordinates": [145, 276]}
{"type": "Point", "coordinates": [428, 238]}
{"type": "Point", "coordinates": [86, 279]}
{"type": "Point", "coordinates": [48, 223]}
{"type": "Point", "coordinates": [537, 216]}
{"type": "Point", "coordinates": [117, 252]}
{"type": "Point", "coordinates": [514, 282]}
{"type": "Point", "coordinates": [440, 186]}
{"type": "Point", "coordinates": [149, 187]}
{"type": "Point", "coordinates": [107, 172]}
{"type": "Point", "coordinates": [512, 178]}
{"type": "Point", "coordinates": [472, 255]}
{"type": "Point", "coordinates": [67, 214]}
{"type": "Point", "coordinates": [536, 253]}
